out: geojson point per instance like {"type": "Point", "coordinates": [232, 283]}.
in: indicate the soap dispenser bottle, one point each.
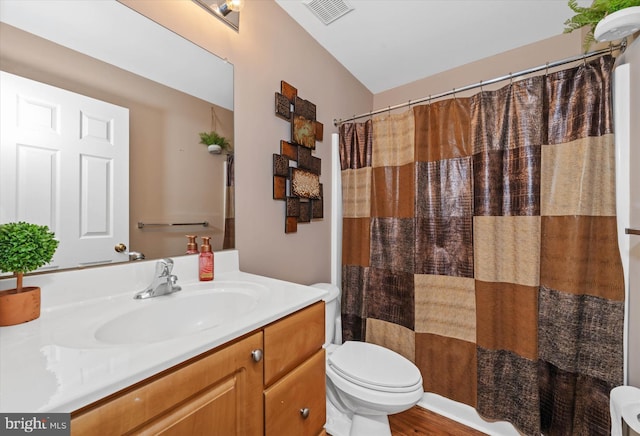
{"type": "Point", "coordinates": [206, 260]}
{"type": "Point", "coordinates": [192, 245]}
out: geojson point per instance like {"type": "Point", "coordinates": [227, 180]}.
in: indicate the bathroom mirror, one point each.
{"type": "Point", "coordinates": [172, 89]}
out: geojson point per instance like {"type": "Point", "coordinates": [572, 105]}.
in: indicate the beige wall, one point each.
{"type": "Point", "coordinates": [271, 47]}
{"type": "Point", "coordinates": [532, 55]}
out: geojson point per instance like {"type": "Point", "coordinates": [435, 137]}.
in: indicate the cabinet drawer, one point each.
{"type": "Point", "coordinates": [302, 388]}
{"type": "Point", "coordinates": [292, 340]}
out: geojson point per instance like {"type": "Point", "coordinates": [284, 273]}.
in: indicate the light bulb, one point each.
{"type": "Point", "coordinates": [225, 8]}
{"type": "Point", "coordinates": [235, 5]}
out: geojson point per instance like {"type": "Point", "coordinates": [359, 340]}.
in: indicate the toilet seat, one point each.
{"type": "Point", "coordinates": [375, 367]}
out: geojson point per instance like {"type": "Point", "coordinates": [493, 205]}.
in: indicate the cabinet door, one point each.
{"type": "Point", "coordinates": [218, 394]}
{"type": "Point", "coordinates": [285, 401]}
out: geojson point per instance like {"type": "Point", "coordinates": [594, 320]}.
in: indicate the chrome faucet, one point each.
{"type": "Point", "coordinates": [164, 282]}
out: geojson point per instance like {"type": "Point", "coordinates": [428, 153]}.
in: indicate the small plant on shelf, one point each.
{"type": "Point", "coordinates": [215, 142]}
{"type": "Point", "coordinates": [592, 15]}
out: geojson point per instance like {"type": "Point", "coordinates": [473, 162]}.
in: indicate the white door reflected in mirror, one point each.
{"type": "Point", "coordinates": [57, 147]}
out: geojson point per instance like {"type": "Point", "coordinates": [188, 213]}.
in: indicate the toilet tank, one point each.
{"type": "Point", "coordinates": [332, 322]}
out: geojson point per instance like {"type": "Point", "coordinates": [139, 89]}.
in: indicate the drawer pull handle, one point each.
{"type": "Point", "coordinates": [256, 355]}
{"type": "Point", "coordinates": [304, 413]}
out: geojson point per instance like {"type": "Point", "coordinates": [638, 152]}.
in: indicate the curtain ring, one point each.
{"type": "Point", "coordinates": [611, 48]}
{"type": "Point", "coordinates": [546, 69]}
{"type": "Point", "coordinates": [454, 94]}
{"type": "Point", "coordinates": [481, 89]}
{"type": "Point", "coordinates": [409, 103]}
{"type": "Point", "coordinates": [510, 78]}
{"type": "Point", "coordinates": [584, 60]}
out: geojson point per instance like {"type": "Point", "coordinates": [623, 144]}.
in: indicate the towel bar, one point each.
{"type": "Point", "coordinates": [203, 224]}
{"type": "Point", "coordinates": [632, 231]}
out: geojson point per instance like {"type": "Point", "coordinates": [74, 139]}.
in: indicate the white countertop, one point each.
{"type": "Point", "coordinates": [55, 364]}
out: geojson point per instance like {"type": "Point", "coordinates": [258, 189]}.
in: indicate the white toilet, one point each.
{"type": "Point", "coordinates": [365, 382]}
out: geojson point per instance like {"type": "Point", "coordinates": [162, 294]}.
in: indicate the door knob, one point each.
{"type": "Point", "coordinates": [256, 355]}
{"type": "Point", "coordinates": [305, 413]}
{"type": "Point", "coordinates": [120, 248]}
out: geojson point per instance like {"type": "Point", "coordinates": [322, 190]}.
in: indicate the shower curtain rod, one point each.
{"type": "Point", "coordinates": [482, 83]}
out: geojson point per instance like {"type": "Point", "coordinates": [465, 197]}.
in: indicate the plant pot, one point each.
{"type": "Point", "coordinates": [214, 149]}
{"type": "Point", "coordinates": [17, 308]}
{"type": "Point", "coordinates": [618, 25]}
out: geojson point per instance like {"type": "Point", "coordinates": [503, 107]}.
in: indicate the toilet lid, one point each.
{"type": "Point", "coordinates": [374, 366]}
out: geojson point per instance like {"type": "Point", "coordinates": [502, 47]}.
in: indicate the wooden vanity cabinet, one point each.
{"type": "Point", "coordinates": [294, 373]}
{"type": "Point", "coordinates": [219, 393]}
{"type": "Point", "coordinates": [225, 391]}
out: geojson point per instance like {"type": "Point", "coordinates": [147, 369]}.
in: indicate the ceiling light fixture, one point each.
{"type": "Point", "coordinates": [227, 11]}
{"type": "Point", "coordinates": [230, 5]}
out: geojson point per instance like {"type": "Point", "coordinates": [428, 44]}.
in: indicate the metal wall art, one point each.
{"type": "Point", "coordinates": [296, 172]}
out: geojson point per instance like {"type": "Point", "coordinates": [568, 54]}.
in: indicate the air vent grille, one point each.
{"type": "Point", "coordinates": [328, 10]}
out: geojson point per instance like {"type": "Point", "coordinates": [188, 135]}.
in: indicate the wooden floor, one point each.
{"type": "Point", "coordinates": [418, 421]}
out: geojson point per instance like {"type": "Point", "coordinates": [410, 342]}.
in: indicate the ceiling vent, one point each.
{"type": "Point", "coordinates": [328, 10]}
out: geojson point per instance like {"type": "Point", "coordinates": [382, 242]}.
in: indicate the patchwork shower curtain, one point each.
{"type": "Point", "coordinates": [479, 241]}
{"type": "Point", "coordinates": [229, 240]}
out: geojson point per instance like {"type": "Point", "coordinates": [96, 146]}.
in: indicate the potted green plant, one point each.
{"type": "Point", "coordinates": [611, 10]}
{"type": "Point", "coordinates": [24, 247]}
{"type": "Point", "coordinates": [215, 143]}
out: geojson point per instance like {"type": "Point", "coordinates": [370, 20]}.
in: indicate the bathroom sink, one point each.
{"type": "Point", "coordinates": [168, 317]}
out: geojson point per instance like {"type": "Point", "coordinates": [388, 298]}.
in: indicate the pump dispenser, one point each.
{"type": "Point", "coordinates": [205, 260]}
{"type": "Point", "coordinates": [192, 245]}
